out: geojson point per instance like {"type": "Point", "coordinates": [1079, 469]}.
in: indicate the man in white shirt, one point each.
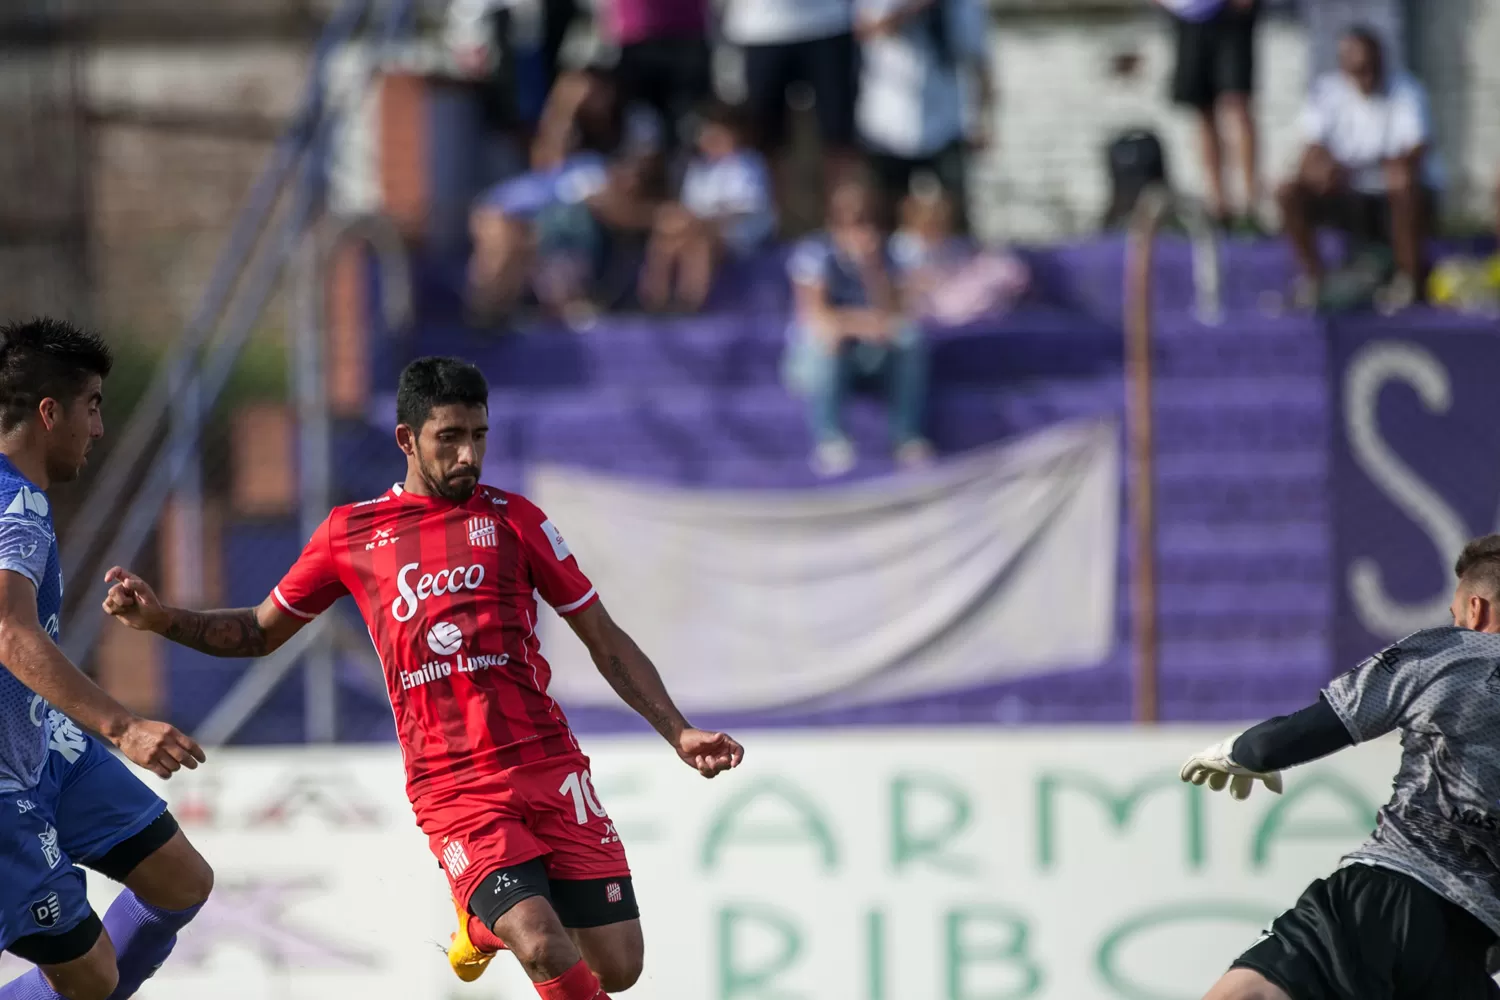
{"type": "Point", "coordinates": [1367, 168]}
{"type": "Point", "coordinates": [923, 63]}
{"type": "Point", "coordinates": [787, 42]}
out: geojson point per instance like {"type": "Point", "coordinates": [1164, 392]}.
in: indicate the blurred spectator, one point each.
{"type": "Point", "coordinates": [947, 278]}
{"type": "Point", "coordinates": [1367, 168]}
{"type": "Point", "coordinates": [1215, 77]}
{"type": "Point", "coordinates": [486, 38]}
{"type": "Point", "coordinates": [787, 42]}
{"type": "Point", "coordinates": [848, 325]}
{"type": "Point", "coordinates": [590, 193]}
{"type": "Point", "coordinates": [918, 58]}
{"type": "Point", "coordinates": [725, 207]}
{"type": "Point", "coordinates": [665, 59]}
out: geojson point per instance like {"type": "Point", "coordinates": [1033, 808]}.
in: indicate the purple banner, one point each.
{"type": "Point", "coordinates": [1415, 470]}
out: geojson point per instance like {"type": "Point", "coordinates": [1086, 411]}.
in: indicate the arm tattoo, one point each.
{"type": "Point", "coordinates": [218, 633]}
{"type": "Point", "coordinates": [625, 686]}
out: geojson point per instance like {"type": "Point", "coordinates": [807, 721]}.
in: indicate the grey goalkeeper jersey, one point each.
{"type": "Point", "coordinates": [1441, 688]}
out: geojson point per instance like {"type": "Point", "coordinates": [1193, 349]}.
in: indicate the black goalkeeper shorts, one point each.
{"type": "Point", "coordinates": [1367, 933]}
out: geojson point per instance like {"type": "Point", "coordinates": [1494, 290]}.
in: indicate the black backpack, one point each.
{"type": "Point", "coordinates": [1135, 160]}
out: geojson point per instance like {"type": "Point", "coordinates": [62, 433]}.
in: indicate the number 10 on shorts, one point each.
{"type": "Point", "coordinates": [579, 786]}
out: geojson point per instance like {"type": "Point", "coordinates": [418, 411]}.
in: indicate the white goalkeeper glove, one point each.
{"type": "Point", "coordinates": [1215, 768]}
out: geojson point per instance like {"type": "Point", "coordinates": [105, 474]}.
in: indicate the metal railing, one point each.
{"type": "Point", "coordinates": [309, 375]}
{"type": "Point", "coordinates": [159, 444]}
{"type": "Point", "coordinates": [1155, 204]}
{"type": "Point", "coordinates": [143, 431]}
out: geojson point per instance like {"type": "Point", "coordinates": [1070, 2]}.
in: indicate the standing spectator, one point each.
{"type": "Point", "coordinates": [849, 323]}
{"type": "Point", "coordinates": [1215, 77]}
{"type": "Point", "coordinates": [1366, 169]}
{"type": "Point", "coordinates": [483, 36]}
{"type": "Point", "coordinates": [665, 60]}
{"type": "Point", "coordinates": [810, 42]}
{"type": "Point", "coordinates": [917, 59]}
{"type": "Point", "coordinates": [725, 208]}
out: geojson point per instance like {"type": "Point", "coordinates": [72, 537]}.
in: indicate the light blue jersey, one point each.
{"type": "Point", "coordinates": [65, 800]}
{"type": "Point", "coordinates": [28, 546]}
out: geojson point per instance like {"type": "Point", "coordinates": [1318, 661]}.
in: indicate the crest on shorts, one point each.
{"type": "Point", "coordinates": [455, 859]}
{"type": "Point", "coordinates": [46, 911]}
{"type": "Point", "coordinates": [613, 893]}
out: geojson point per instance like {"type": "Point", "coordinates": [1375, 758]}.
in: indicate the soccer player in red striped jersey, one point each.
{"type": "Point", "coordinates": [444, 570]}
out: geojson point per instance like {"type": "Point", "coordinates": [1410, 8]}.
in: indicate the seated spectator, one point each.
{"type": "Point", "coordinates": [1215, 77]}
{"type": "Point", "coordinates": [948, 278]}
{"type": "Point", "coordinates": [505, 221]}
{"type": "Point", "coordinates": [1367, 167]}
{"type": "Point", "coordinates": [790, 42]}
{"type": "Point", "coordinates": [849, 324]}
{"type": "Point", "coordinates": [725, 207]}
{"type": "Point", "coordinates": [665, 59]}
{"type": "Point", "coordinates": [588, 192]}
{"type": "Point", "coordinates": [917, 60]}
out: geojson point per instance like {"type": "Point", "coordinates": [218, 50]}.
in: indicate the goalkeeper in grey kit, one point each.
{"type": "Point", "coordinates": [1411, 914]}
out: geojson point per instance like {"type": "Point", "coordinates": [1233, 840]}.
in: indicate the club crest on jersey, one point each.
{"type": "Point", "coordinates": [482, 532]}
{"type": "Point", "coordinates": [380, 539]}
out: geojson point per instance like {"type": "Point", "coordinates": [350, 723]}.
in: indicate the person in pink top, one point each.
{"type": "Point", "coordinates": [665, 60]}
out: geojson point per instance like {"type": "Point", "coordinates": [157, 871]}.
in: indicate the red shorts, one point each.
{"type": "Point", "coordinates": [546, 809]}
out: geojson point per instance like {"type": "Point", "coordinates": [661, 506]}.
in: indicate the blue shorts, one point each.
{"type": "Point", "coordinates": [85, 804]}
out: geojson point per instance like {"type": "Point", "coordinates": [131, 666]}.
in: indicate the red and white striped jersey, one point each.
{"type": "Point", "coordinates": [447, 591]}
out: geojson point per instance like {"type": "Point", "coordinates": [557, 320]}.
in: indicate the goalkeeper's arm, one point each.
{"type": "Point", "coordinates": [1261, 752]}
{"type": "Point", "coordinates": [1288, 740]}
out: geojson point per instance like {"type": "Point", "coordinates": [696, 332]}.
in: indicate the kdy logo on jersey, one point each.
{"type": "Point", "coordinates": [380, 539]}
{"type": "Point", "coordinates": [482, 532]}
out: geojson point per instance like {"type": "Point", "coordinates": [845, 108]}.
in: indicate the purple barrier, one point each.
{"type": "Point", "coordinates": [1415, 468]}
{"type": "Point", "coordinates": [1309, 499]}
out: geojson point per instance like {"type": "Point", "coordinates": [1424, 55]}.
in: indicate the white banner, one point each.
{"type": "Point", "coordinates": [1062, 864]}
{"type": "Point", "coordinates": [998, 564]}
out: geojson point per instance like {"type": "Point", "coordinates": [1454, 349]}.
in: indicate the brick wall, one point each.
{"type": "Point", "coordinates": [180, 134]}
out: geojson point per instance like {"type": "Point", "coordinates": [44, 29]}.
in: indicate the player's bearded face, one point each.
{"type": "Point", "coordinates": [450, 451]}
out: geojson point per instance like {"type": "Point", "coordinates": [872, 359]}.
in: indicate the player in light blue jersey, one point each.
{"type": "Point", "coordinates": [65, 800]}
